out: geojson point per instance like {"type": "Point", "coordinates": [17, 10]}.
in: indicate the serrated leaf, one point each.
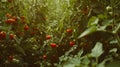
{"type": "Point", "coordinates": [93, 21]}
{"type": "Point", "coordinates": [97, 50]}
{"type": "Point", "coordinates": [88, 31]}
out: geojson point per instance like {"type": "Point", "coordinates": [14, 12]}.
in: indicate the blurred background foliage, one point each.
{"type": "Point", "coordinates": [59, 33]}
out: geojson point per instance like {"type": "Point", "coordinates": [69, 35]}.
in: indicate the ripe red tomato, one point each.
{"type": "Point", "coordinates": [53, 45]}
{"type": "Point", "coordinates": [26, 27]}
{"type": "Point", "coordinates": [12, 36]}
{"type": "Point", "coordinates": [44, 57]}
{"type": "Point", "coordinates": [10, 21]}
{"type": "Point", "coordinates": [2, 35]}
{"type": "Point", "coordinates": [48, 37]}
{"type": "Point", "coordinates": [71, 43]}
{"type": "Point", "coordinates": [69, 30]}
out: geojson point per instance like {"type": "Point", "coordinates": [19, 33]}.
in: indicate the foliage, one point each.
{"type": "Point", "coordinates": [59, 33]}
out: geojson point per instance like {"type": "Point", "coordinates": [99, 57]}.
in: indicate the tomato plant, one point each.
{"type": "Point", "coordinates": [59, 33]}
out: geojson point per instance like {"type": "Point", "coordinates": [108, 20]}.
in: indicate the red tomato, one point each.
{"type": "Point", "coordinates": [53, 45]}
{"type": "Point", "coordinates": [26, 27]}
{"type": "Point", "coordinates": [44, 57]}
{"type": "Point", "coordinates": [2, 35]}
{"type": "Point", "coordinates": [71, 43]}
{"type": "Point", "coordinates": [48, 37]}
{"type": "Point", "coordinates": [69, 30]}
{"type": "Point", "coordinates": [10, 21]}
{"type": "Point", "coordinates": [12, 36]}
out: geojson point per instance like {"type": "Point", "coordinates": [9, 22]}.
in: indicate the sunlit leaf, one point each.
{"type": "Point", "coordinates": [88, 31]}
{"type": "Point", "coordinates": [113, 50]}
{"type": "Point", "coordinates": [93, 21]}
{"type": "Point", "coordinates": [97, 50]}
{"type": "Point", "coordinates": [86, 61]}
{"type": "Point", "coordinates": [105, 24]}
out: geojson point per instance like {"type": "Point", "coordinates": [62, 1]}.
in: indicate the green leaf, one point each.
{"type": "Point", "coordinates": [93, 21]}
{"type": "Point", "coordinates": [97, 50]}
{"type": "Point", "coordinates": [86, 61]}
{"type": "Point", "coordinates": [114, 50]}
{"type": "Point", "coordinates": [102, 16]}
{"type": "Point", "coordinates": [105, 24]}
{"type": "Point", "coordinates": [73, 61]}
{"type": "Point", "coordinates": [101, 64]}
{"type": "Point", "coordinates": [88, 31]}
{"type": "Point", "coordinates": [69, 65]}
{"type": "Point", "coordinates": [80, 53]}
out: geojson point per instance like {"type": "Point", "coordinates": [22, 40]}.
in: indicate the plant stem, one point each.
{"type": "Point", "coordinates": [96, 61]}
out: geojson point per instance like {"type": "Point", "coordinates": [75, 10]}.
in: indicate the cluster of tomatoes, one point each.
{"type": "Point", "coordinates": [53, 45]}
{"type": "Point", "coordinates": [12, 20]}
{"type": "Point", "coordinates": [3, 35]}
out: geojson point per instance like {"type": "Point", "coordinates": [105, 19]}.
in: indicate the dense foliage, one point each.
{"type": "Point", "coordinates": [59, 33]}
